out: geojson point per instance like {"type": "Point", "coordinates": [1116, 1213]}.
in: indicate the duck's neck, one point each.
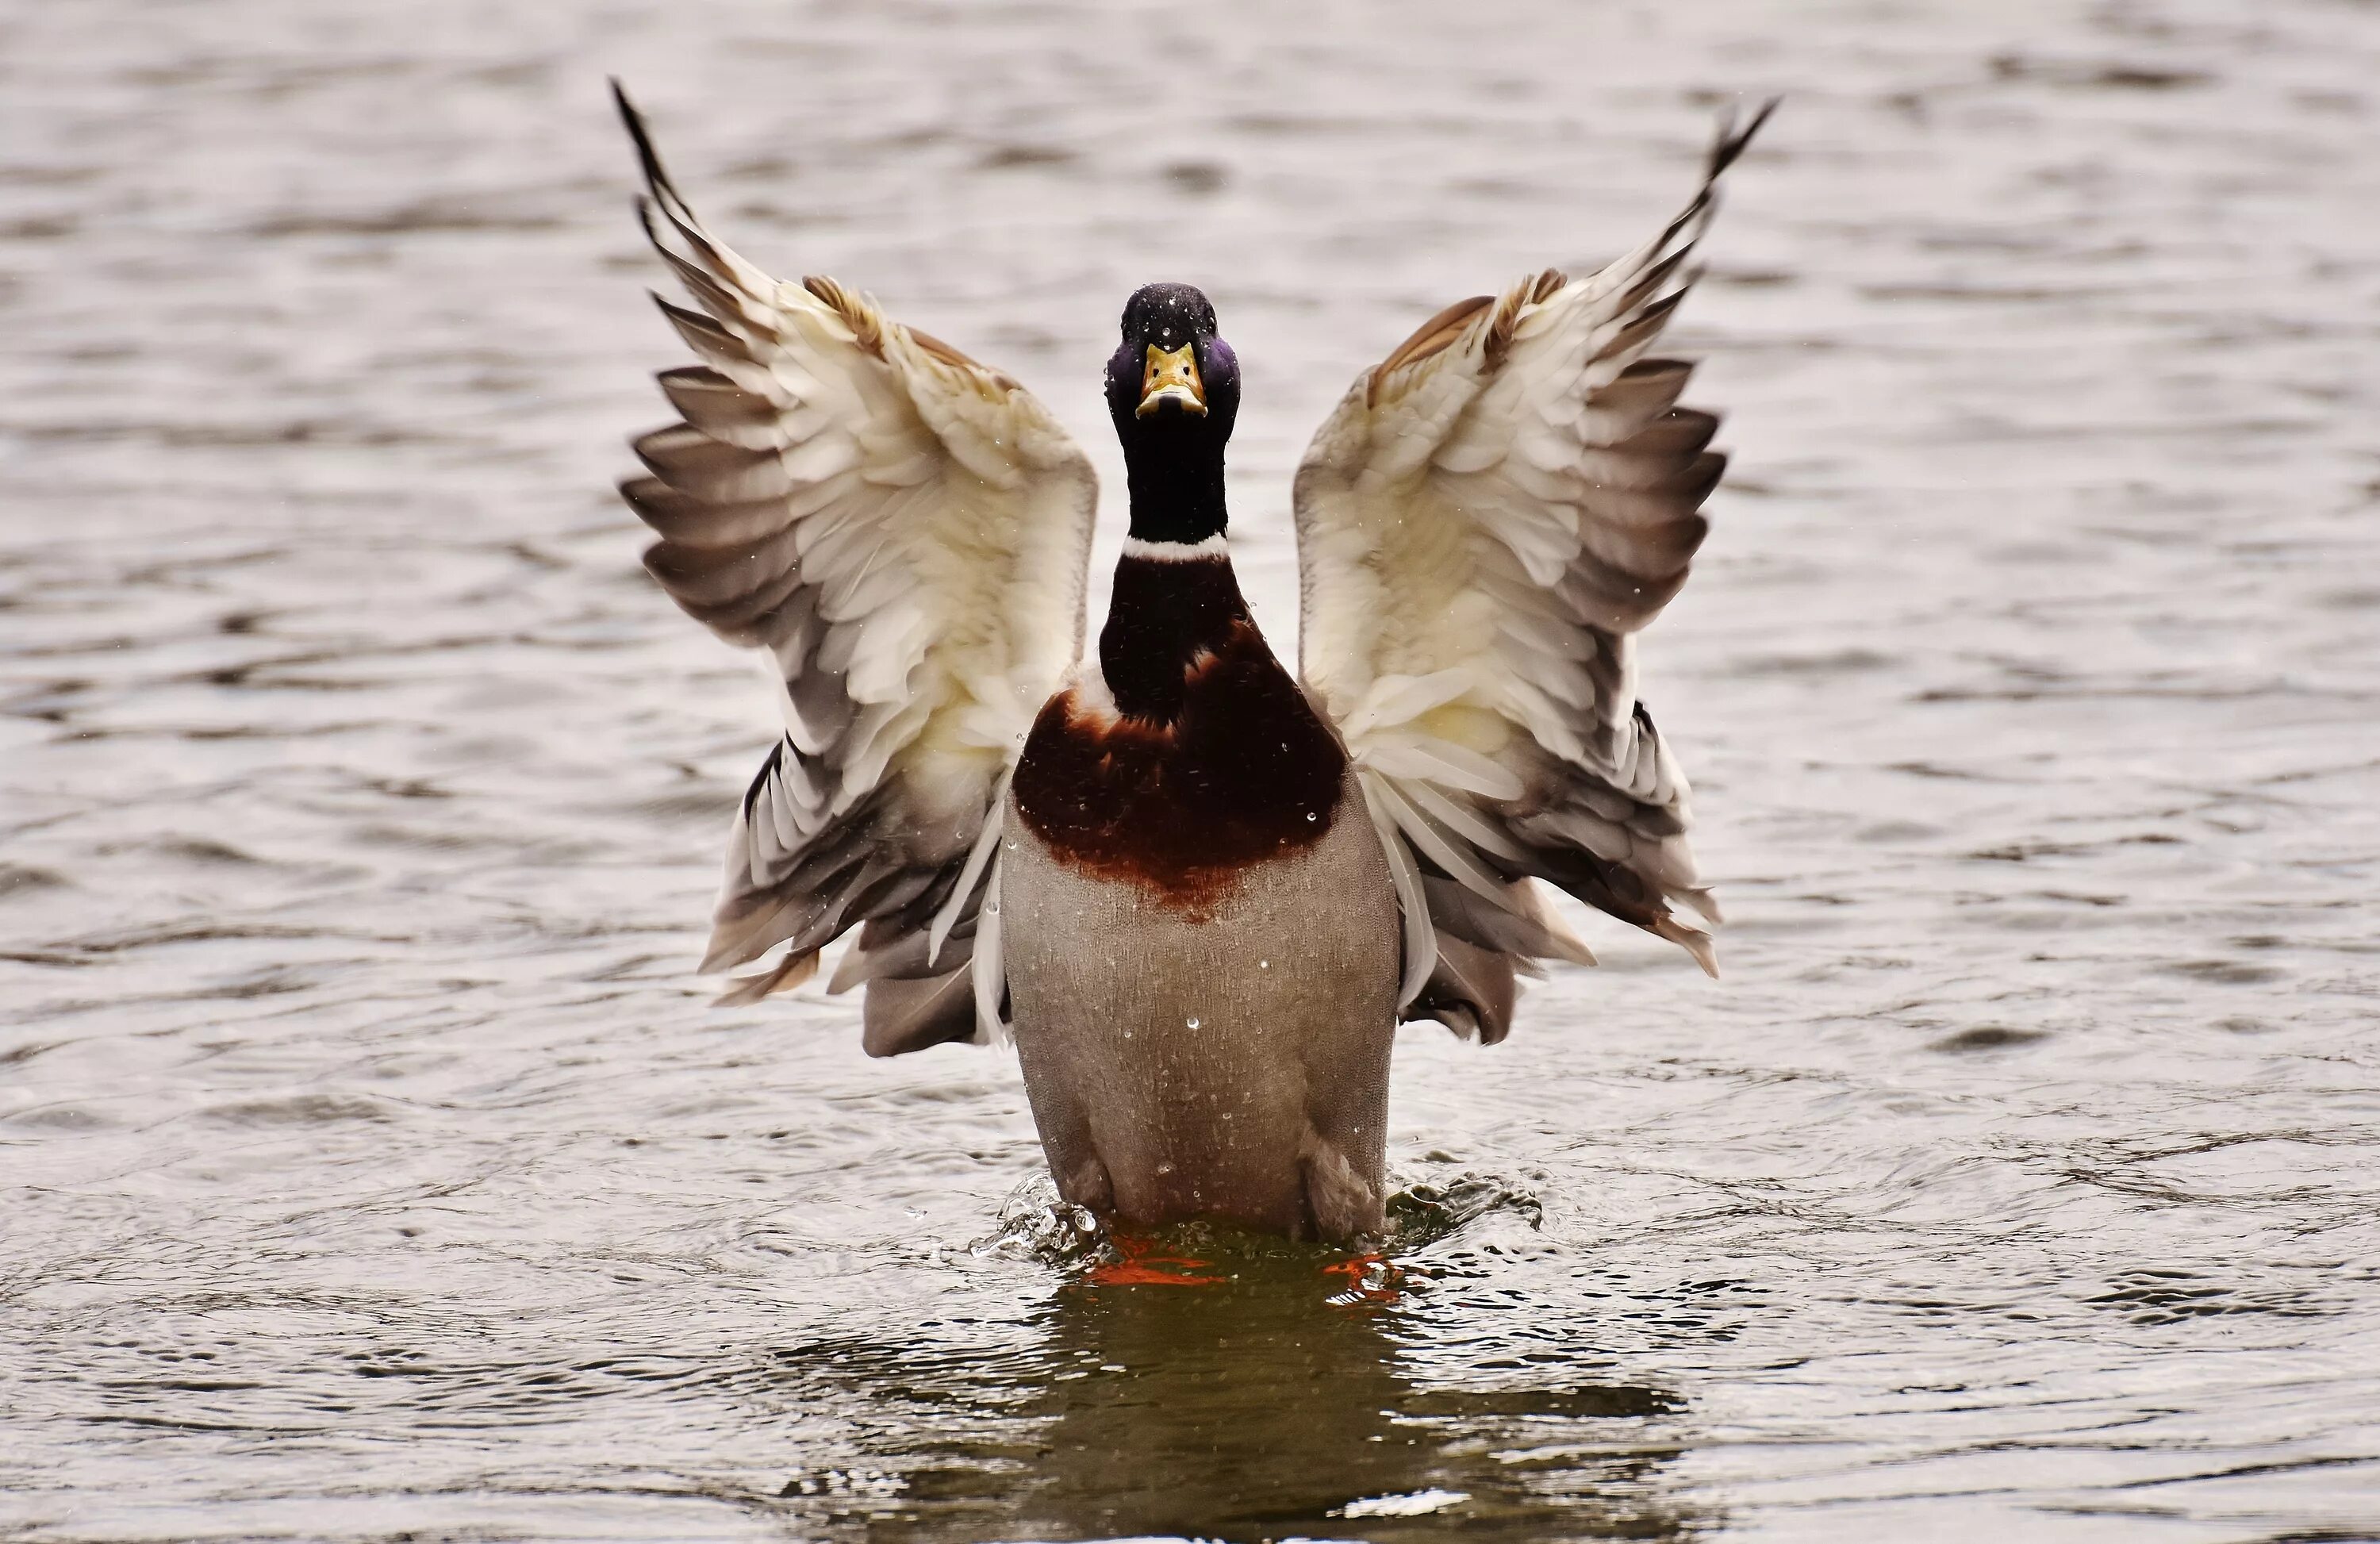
{"type": "Point", "coordinates": [1175, 604]}
{"type": "Point", "coordinates": [1177, 489]}
{"type": "Point", "coordinates": [1176, 599]}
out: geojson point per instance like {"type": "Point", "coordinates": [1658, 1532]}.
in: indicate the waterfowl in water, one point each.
{"type": "Point", "coordinates": [1199, 893]}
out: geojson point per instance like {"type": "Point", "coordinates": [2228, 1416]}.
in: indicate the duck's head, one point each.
{"type": "Point", "coordinates": [1173, 381]}
{"type": "Point", "coordinates": [1173, 389]}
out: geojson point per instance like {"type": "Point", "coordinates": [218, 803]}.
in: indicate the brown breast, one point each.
{"type": "Point", "coordinates": [1230, 767]}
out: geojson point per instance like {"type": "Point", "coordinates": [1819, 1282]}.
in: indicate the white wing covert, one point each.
{"type": "Point", "coordinates": [908, 533]}
{"type": "Point", "coordinates": [1484, 524]}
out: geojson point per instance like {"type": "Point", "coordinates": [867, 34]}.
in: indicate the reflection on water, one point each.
{"type": "Point", "coordinates": [1261, 1395]}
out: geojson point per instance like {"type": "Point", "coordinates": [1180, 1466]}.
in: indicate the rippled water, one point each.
{"type": "Point", "coordinates": [370, 1167]}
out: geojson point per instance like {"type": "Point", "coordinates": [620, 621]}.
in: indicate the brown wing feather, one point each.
{"type": "Point", "coordinates": [829, 462]}
{"type": "Point", "coordinates": [1439, 333]}
{"type": "Point", "coordinates": [1487, 519]}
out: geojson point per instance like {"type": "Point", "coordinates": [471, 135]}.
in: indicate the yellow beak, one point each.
{"type": "Point", "coordinates": [1172, 375]}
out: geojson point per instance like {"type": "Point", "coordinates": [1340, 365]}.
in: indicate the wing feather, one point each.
{"type": "Point", "coordinates": [1484, 524]}
{"type": "Point", "coordinates": [908, 533]}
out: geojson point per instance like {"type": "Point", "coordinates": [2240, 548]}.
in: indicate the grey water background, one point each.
{"type": "Point", "coordinates": [370, 1166]}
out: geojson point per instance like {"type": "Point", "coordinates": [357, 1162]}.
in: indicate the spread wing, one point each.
{"type": "Point", "coordinates": [906, 533]}
{"type": "Point", "coordinates": [1484, 524]}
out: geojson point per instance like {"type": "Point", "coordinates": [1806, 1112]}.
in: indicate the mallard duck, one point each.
{"type": "Point", "coordinates": [1198, 892]}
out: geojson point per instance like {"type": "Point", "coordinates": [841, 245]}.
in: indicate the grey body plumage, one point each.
{"type": "Point", "coordinates": [1230, 1061]}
